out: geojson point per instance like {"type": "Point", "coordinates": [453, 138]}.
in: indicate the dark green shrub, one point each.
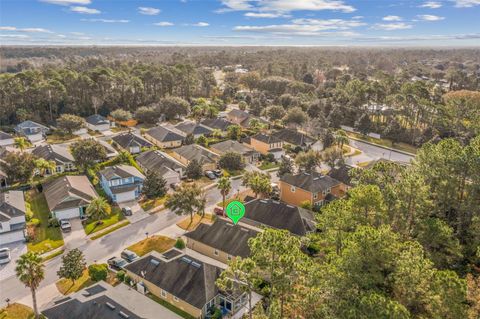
{"type": "Point", "coordinates": [98, 272]}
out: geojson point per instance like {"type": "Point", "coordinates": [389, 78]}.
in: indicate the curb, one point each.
{"type": "Point", "coordinates": [381, 146]}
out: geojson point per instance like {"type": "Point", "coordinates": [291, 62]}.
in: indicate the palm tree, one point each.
{"type": "Point", "coordinates": [341, 138]}
{"type": "Point", "coordinates": [43, 166]}
{"type": "Point", "coordinates": [98, 209]}
{"type": "Point", "coordinates": [224, 186]}
{"type": "Point", "coordinates": [30, 271]}
{"type": "Point", "coordinates": [21, 143]}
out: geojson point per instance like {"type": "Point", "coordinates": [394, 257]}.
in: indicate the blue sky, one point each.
{"type": "Point", "coordinates": [241, 22]}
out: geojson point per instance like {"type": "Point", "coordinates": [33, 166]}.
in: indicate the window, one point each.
{"type": "Point", "coordinates": [229, 257]}
{"type": "Point", "coordinates": [175, 298]}
{"type": "Point", "coordinates": [315, 196]}
{"type": "Point", "coordinates": [115, 182]}
{"type": "Point", "coordinates": [58, 169]}
{"type": "Point", "coordinates": [163, 293]}
{"type": "Point", "coordinates": [215, 252]}
{"type": "Point", "coordinates": [329, 191]}
{"type": "Point", "coordinates": [292, 189]}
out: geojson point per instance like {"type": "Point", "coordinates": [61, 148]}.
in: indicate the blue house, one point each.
{"type": "Point", "coordinates": [122, 183]}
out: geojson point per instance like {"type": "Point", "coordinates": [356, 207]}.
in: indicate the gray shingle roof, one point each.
{"type": "Point", "coordinates": [293, 137]}
{"type": "Point", "coordinates": [193, 128]}
{"type": "Point", "coordinates": [127, 140]}
{"type": "Point", "coordinates": [269, 139]}
{"type": "Point", "coordinates": [5, 136]}
{"type": "Point", "coordinates": [195, 152]}
{"type": "Point", "coordinates": [224, 236]}
{"type": "Point", "coordinates": [97, 119]}
{"type": "Point", "coordinates": [12, 204]}
{"type": "Point", "coordinates": [232, 146]}
{"type": "Point", "coordinates": [278, 215]}
{"type": "Point", "coordinates": [185, 277]}
{"type": "Point", "coordinates": [120, 171]}
{"type": "Point", "coordinates": [164, 135]}
{"type": "Point", "coordinates": [341, 174]}
{"type": "Point", "coordinates": [242, 115]}
{"type": "Point", "coordinates": [217, 123]}
{"type": "Point", "coordinates": [312, 182]}
{"type": "Point", "coordinates": [57, 153]}
{"type": "Point", "coordinates": [28, 123]}
{"type": "Point", "coordinates": [69, 192]}
{"type": "Point", "coordinates": [154, 160]}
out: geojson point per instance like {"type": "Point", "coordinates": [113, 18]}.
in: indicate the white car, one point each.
{"type": "Point", "coordinates": [5, 255]}
{"type": "Point", "coordinates": [65, 226]}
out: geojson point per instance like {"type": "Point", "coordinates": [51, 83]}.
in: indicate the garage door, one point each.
{"type": "Point", "coordinates": [125, 197]}
{"type": "Point", "coordinates": [11, 237]}
{"type": "Point", "coordinates": [68, 213]}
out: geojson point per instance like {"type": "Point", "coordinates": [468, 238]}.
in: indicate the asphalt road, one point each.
{"type": "Point", "coordinates": [372, 152]}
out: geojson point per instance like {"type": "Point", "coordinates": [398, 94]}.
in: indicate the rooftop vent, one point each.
{"type": "Point", "coordinates": [155, 262]}
{"type": "Point", "coordinates": [245, 229]}
{"type": "Point", "coordinates": [123, 315]}
{"type": "Point", "coordinates": [109, 305]}
{"type": "Point", "coordinates": [195, 264]}
{"type": "Point", "coordinates": [315, 178]}
{"type": "Point", "coordinates": [263, 201]}
{"type": "Point", "coordinates": [185, 259]}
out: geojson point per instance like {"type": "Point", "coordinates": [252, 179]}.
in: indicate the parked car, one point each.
{"type": "Point", "coordinates": [127, 211]}
{"type": "Point", "coordinates": [116, 263]}
{"type": "Point", "coordinates": [129, 255]}
{"type": "Point", "coordinates": [218, 211]}
{"type": "Point", "coordinates": [65, 226]}
{"type": "Point", "coordinates": [210, 175]}
{"type": "Point", "coordinates": [218, 172]}
{"type": "Point", "coordinates": [5, 255]}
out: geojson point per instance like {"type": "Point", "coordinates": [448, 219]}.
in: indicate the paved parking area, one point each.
{"type": "Point", "coordinates": [76, 237]}
{"type": "Point", "coordinates": [137, 211]}
{"type": "Point", "coordinates": [16, 249]}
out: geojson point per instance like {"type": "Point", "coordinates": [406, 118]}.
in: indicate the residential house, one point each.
{"type": "Point", "coordinates": [220, 124]}
{"type": "Point", "coordinates": [122, 183]}
{"type": "Point", "coordinates": [275, 214]}
{"type": "Point", "coordinates": [12, 217]}
{"type": "Point", "coordinates": [267, 144]}
{"type": "Point", "coordinates": [294, 138]}
{"type": "Point", "coordinates": [342, 173]}
{"type": "Point", "coordinates": [132, 143]}
{"type": "Point", "coordinates": [109, 149]}
{"type": "Point", "coordinates": [242, 118]}
{"type": "Point", "coordinates": [163, 137]}
{"type": "Point", "coordinates": [184, 281]}
{"type": "Point", "coordinates": [97, 122]}
{"type": "Point", "coordinates": [68, 196]}
{"type": "Point", "coordinates": [3, 179]}
{"type": "Point", "coordinates": [33, 131]}
{"type": "Point", "coordinates": [6, 139]}
{"type": "Point", "coordinates": [221, 241]}
{"type": "Point", "coordinates": [104, 301]}
{"type": "Point", "coordinates": [64, 161]}
{"type": "Point", "coordinates": [188, 153]}
{"type": "Point", "coordinates": [312, 187]}
{"type": "Point", "coordinates": [162, 163]}
{"type": "Point", "coordinates": [249, 155]}
{"type": "Point", "coordinates": [196, 129]}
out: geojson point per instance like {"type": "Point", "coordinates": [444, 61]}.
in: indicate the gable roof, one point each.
{"type": "Point", "coordinates": [196, 152]}
{"type": "Point", "coordinates": [54, 152]}
{"type": "Point", "coordinates": [155, 160]}
{"type": "Point", "coordinates": [313, 182]}
{"type": "Point", "coordinates": [232, 146]}
{"type": "Point", "coordinates": [225, 236]}
{"type": "Point", "coordinates": [183, 276]}
{"type": "Point", "coordinates": [29, 124]}
{"type": "Point", "coordinates": [217, 123]}
{"type": "Point", "coordinates": [97, 119]}
{"type": "Point", "coordinates": [341, 174]}
{"type": "Point", "coordinates": [12, 204]}
{"type": "Point", "coordinates": [5, 136]}
{"type": "Point", "coordinates": [279, 215]}
{"type": "Point", "coordinates": [268, 139]}
{"type": "Point", "coordinates": [69, 192]}
{"type": "Point", "coordinates": [126, 140]}
{"type": "Point", "coordinates": [242, 115]}
{"type": "Point", "coordinates": [120, 171]}
{"type": "Point", "coordinates": [293, 137]}
{"type": "Point", "coordinates": [193, 128]}
{"type": "Point", "coordinates": [163, 134]}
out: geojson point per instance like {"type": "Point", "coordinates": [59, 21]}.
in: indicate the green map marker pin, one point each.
{"type": "Point", "coordinates": [235, 211]}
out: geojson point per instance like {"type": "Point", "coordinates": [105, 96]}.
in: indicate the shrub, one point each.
{"type": "Point", "coordinates": [313, 249]}
{"type": "Point", "coordinates": [98, 272]}
{"type": "Point", "coordinates": [53, 222]}
{"type": "Point", "coordinates": [35, 222]}
{"type": "Point", "coordinates": [180, 244]}
{"type": "Point", "coordinates": [306, 204]}
{"type": "Point", "coordinates": [121, 275]}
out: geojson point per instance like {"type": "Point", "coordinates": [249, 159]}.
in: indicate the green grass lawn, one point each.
{"type": "Point", "coordinates": [57, 138]}
{"type": "Point", "coordinates": [46, 238]}
{"type": "Point", "coordinates": [268, 165]}
{"type": "Point", "coordinates": [385, 142]}
{"type": "Point", "coordinates": [16, 311]}
{"type": "Point", "coordinates": [92, 227]}
{"type": "Point", "coordinates": [111, 229]}
{"type": "Point", "coordinates": [170, 307]}
{"type": "Point", "coordinates": [148, 204]}
{"type": "Point", "coordinates": [65, 286]}
{"type": "Point", "coordinates": [156, 243]}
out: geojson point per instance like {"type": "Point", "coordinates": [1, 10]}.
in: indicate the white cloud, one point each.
{"type": "Point", "coordinates": [67, 2]}
{"type": "Point", "coordinates": [148, 11]}
{"type": "Point", "coordinates": [466, 3]}
{"type": "Point", "coordinates": [77, 33]}
{"type": "Point", "coordinates": [392, 26]}
{"type": "Point", "coordinates": [200, 24]}
{"type": "Point", "coordinates": [307, 27]}
{"type": "Point", "coordinates": [265, 15]}
{"type": "Point", "coordinates": [285, 6]}
{"type": "Point", "coordinates": [16, 36]}
{"type": "Point", "coordinates": [163, 24]}
{"type": "Point", "coordinates": [84, 10]}
{"type": "Point", "coordinates": [29, 30]}
{"type": "Point", "coordinates": [429, 17]}
{"type": "Point", "coordinates": [8, 28]}
{"type": "Point", "coordinates": [62, 36]}
{"type": "Point", "coordinates": [431, 5]}
{"type": "Point", "coordinates": [392, 18]}
{"type": "Point", "coordinates": [105, 20]}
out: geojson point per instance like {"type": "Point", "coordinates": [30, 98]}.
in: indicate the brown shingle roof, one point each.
{"type": "Point", "coordinates": [69, 192]}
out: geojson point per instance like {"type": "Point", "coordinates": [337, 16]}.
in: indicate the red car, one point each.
{"type": "Point", "coordinates": [218, 211]}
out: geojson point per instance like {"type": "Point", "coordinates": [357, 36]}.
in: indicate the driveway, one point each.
{"type": "Point", "coordinates": [137, 211]}
{"type": "Point", "coordinates": [16, 249]}
{"type": "Point", "coordinates": [77, 236]}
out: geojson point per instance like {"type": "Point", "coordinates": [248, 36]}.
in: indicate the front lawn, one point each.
{"type": "Point", "coordinates": [156, 243]}
{"type": "Point", "coordinates": [170, 307]}
{"type": "Point", "coordinates": [190, 225]}
{"type": "Point", "coordinates": [16, 311]}
{"type": "Point", "coordinates": [148, 204]}
{"type": "Point", "coordinates": [44, 238]}
{"type": "Point", "coordinates": [66, 287]}
{"type": "Point", "coordinates": [57, 138]}
{"type": "Point", "coordinates": [385, 142]}
{"type": "Point", "coordinates": [268, 165]}
{"type": "Point", "coordinates": [93, 226]}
